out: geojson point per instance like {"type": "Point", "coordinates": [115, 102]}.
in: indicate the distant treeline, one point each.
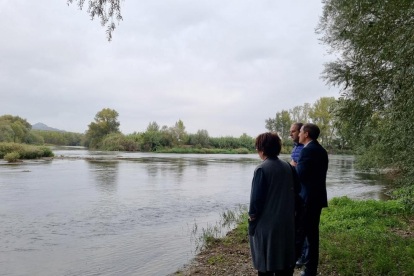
{"type": "Point", "coordinates": [18, 130]}
{"type": "Point", "coordinates": [104, 134]}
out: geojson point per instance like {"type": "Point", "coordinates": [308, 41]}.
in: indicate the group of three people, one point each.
{"type": "Point", "coordinates": [275, 186]}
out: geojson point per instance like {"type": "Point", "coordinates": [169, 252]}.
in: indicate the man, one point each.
{"type": "Point", "coordinates": [294, 134]}
{"type": "Point", "coordinates": [312, 167]}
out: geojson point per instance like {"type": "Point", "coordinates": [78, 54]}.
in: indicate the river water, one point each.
{"type": "Point", "coordinates": [116, 213]}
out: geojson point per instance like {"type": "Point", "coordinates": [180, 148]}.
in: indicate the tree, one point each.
{"type": "Point", "coordinates": [178, 133]}
{"type": "Point", "coordinates": [153, 126]}
{"type": "Point", "coordinates": [18, 131]}
{"type": "Point", "coordinates": [296, 114]}
{"type": "Point", "coordinates": [322, 115]}
{"type": "Point", "coordinates": [151, 139]}
{"type": "Point", "coordinates": [374, 41]}
{"type": "Point", "coordinates": [6, 132]}
{"type": "Point", "coordinates": [270, 124]}
{"type": "Point", "coordinates": [105, 10]}
{"type": "Point", "coordinates": [201, 138]}
{"type": "Point", "coordinates": [106, 122]}
{"type": "Point", "coordinates": [280, 124]}
{"type": "Point", "coordinates": [305, 112]}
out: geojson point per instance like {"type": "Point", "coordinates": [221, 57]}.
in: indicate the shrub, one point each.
{"type": "Point", "coordinates": [12, 156]}
{"type": "Point", "coordinates": [118, 142]}
{"type": "Point", "coordinates": [25, 151]}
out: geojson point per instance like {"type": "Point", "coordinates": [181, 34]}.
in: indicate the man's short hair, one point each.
{"type": "Point", "coordinates": [298, 125]}
{"type": "Point", "coordinates": [312, 130]}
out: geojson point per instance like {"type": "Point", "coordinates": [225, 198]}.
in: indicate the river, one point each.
{"type": "Point", "coordinates": [117, 213]}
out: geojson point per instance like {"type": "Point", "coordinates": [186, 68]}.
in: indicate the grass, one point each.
{"type": "Point", "coordinates": [25, 151]}
{"type": "Point", "coordinates": [213, 233]}
{"type": "Point", "coordinates": [356, 238]}
{"type": "Point", "coordinates": [366, 238]}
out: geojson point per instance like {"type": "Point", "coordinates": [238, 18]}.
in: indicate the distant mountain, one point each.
{"type": "Point", "coordinates": [41, 126]}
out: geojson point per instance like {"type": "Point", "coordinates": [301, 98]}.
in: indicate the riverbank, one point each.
{"type": "Point", "coordinates": [356, 238]}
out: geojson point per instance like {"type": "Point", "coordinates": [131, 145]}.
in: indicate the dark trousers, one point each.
{"type": "Point", "coordinates": [312, 236]}
{"type": "Point", "coordinates": [285, 272]}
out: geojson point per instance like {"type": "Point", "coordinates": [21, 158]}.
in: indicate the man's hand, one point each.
{"type": "Point", "coordinates": [252, 219]}
{"type": "Point", "coordinates": [293, 163]}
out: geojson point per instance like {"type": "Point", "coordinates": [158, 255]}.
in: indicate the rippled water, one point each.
{"type": "Point", "coordinates": [111, 213]}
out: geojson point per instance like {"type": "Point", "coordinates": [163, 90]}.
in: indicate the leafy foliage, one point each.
{"type": "Point", "coordinates": [106, 122]}
{"type": "Point", "coordinates": [334, 131]}
{"type": "Point", "coordinates": [375, 71]}
{"type": "Point", "coordinates": [118, 142]}
{"type": "Point", "coordinates": [13, 128]}
{"type": "Point", "coordinates": [12, 156]}
{"type": "Point", "coordinates": [58, 138]}
{"type": "Point", "coordinates": [25, 151]}
{"type": "Point", "coordinates": [105, 10]}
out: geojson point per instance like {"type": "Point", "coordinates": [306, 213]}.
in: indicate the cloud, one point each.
{"type": "Point", "coordinates": [220, 66]}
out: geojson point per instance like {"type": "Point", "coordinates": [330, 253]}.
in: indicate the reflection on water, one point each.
{"type": "Point", "coordinates": [105, 174]}
{"type": "Point", "coordinates": [118, 213]}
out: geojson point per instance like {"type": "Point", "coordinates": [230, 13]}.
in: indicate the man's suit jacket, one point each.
{"type": "Point", "coordinates": [312, 167]}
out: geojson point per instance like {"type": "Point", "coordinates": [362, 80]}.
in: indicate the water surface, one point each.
{"type": "Point", "coordinates": [116, 213]}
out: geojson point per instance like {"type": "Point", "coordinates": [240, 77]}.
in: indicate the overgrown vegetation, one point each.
{"type": "Point", "coordinates": [12, 156]}
{"type": "Point", "coordinates": [104, 134]}
{"type": "Point", "coordinates": [58, 138]}
{"type": "Point", "coordinates": [375, 72]}
{"type": "Point", "coordinates": [25, 151]}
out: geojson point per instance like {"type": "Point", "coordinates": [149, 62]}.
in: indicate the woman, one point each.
{"type": "Point", "coordinates": [272, 210]}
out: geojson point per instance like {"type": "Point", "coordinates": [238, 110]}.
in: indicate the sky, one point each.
{"type": "Point", "coordinates": [223, 66]}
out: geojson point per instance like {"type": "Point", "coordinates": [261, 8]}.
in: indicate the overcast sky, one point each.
{"type": "Point", "coordinates": [224, 66]}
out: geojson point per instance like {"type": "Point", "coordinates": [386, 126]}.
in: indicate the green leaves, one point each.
{"type": "Point", "coordinates": [375, 70]}
{"type": "Point", "coordinates": [105, 10]}
{"type": "Point", "coordinates": [106, 122]}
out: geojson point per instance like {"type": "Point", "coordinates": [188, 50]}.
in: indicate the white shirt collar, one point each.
{"type": "Point", "coordinates": [307, 143]}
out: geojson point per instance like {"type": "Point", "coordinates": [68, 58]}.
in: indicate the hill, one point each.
{"type": "Point", "coordinates": [41, 126]}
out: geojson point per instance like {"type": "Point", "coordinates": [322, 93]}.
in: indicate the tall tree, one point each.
{"type": "Point", "coordinates": [106, 122]}
{"type": "Point", "coordinates": [375, 70]}
{"type": "Point", "coordinates": [280, 124]}
{"type": "Point", "coordinates": [300, 113]}
{"type": "Point", "coordinates": [322, 114]}
{"type": "Point", "coordinates": [13, 128]}
{"type": "Point", "coordinates": [201, 138]}
{"type": "Point", "coordinates": [178, 133]}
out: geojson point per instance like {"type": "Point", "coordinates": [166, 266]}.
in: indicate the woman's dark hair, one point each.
{"type": "Point", "coordinates": [269, 143]}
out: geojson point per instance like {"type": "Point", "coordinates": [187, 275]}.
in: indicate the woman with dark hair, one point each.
{"type": "Point", "coordinates": [272, 210]}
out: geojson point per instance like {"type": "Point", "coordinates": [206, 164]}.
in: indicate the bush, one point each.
{"type": "Point", "coordinates": [25, 151]}
{"type": "Point", "coordinates": [118, 142]}
{"type": "Point", "coordinates": [12, 156]}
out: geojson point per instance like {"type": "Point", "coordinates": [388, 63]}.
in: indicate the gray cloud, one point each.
{"type": "Point", "coordinates": [224, 66]}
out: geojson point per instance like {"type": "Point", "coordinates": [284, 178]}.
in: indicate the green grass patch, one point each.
{"type": "Point", "coordinates": [219, 259]}
{"type": "Point", "coordinates": [25, 151]}
{"type": "Point", "coordinates": [357, 238]}
{"type": "Point", "coordinates": [363, 238]}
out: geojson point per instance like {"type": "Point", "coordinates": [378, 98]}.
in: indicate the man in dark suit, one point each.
{"type": "Point", "coordinates": [312, 167]}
